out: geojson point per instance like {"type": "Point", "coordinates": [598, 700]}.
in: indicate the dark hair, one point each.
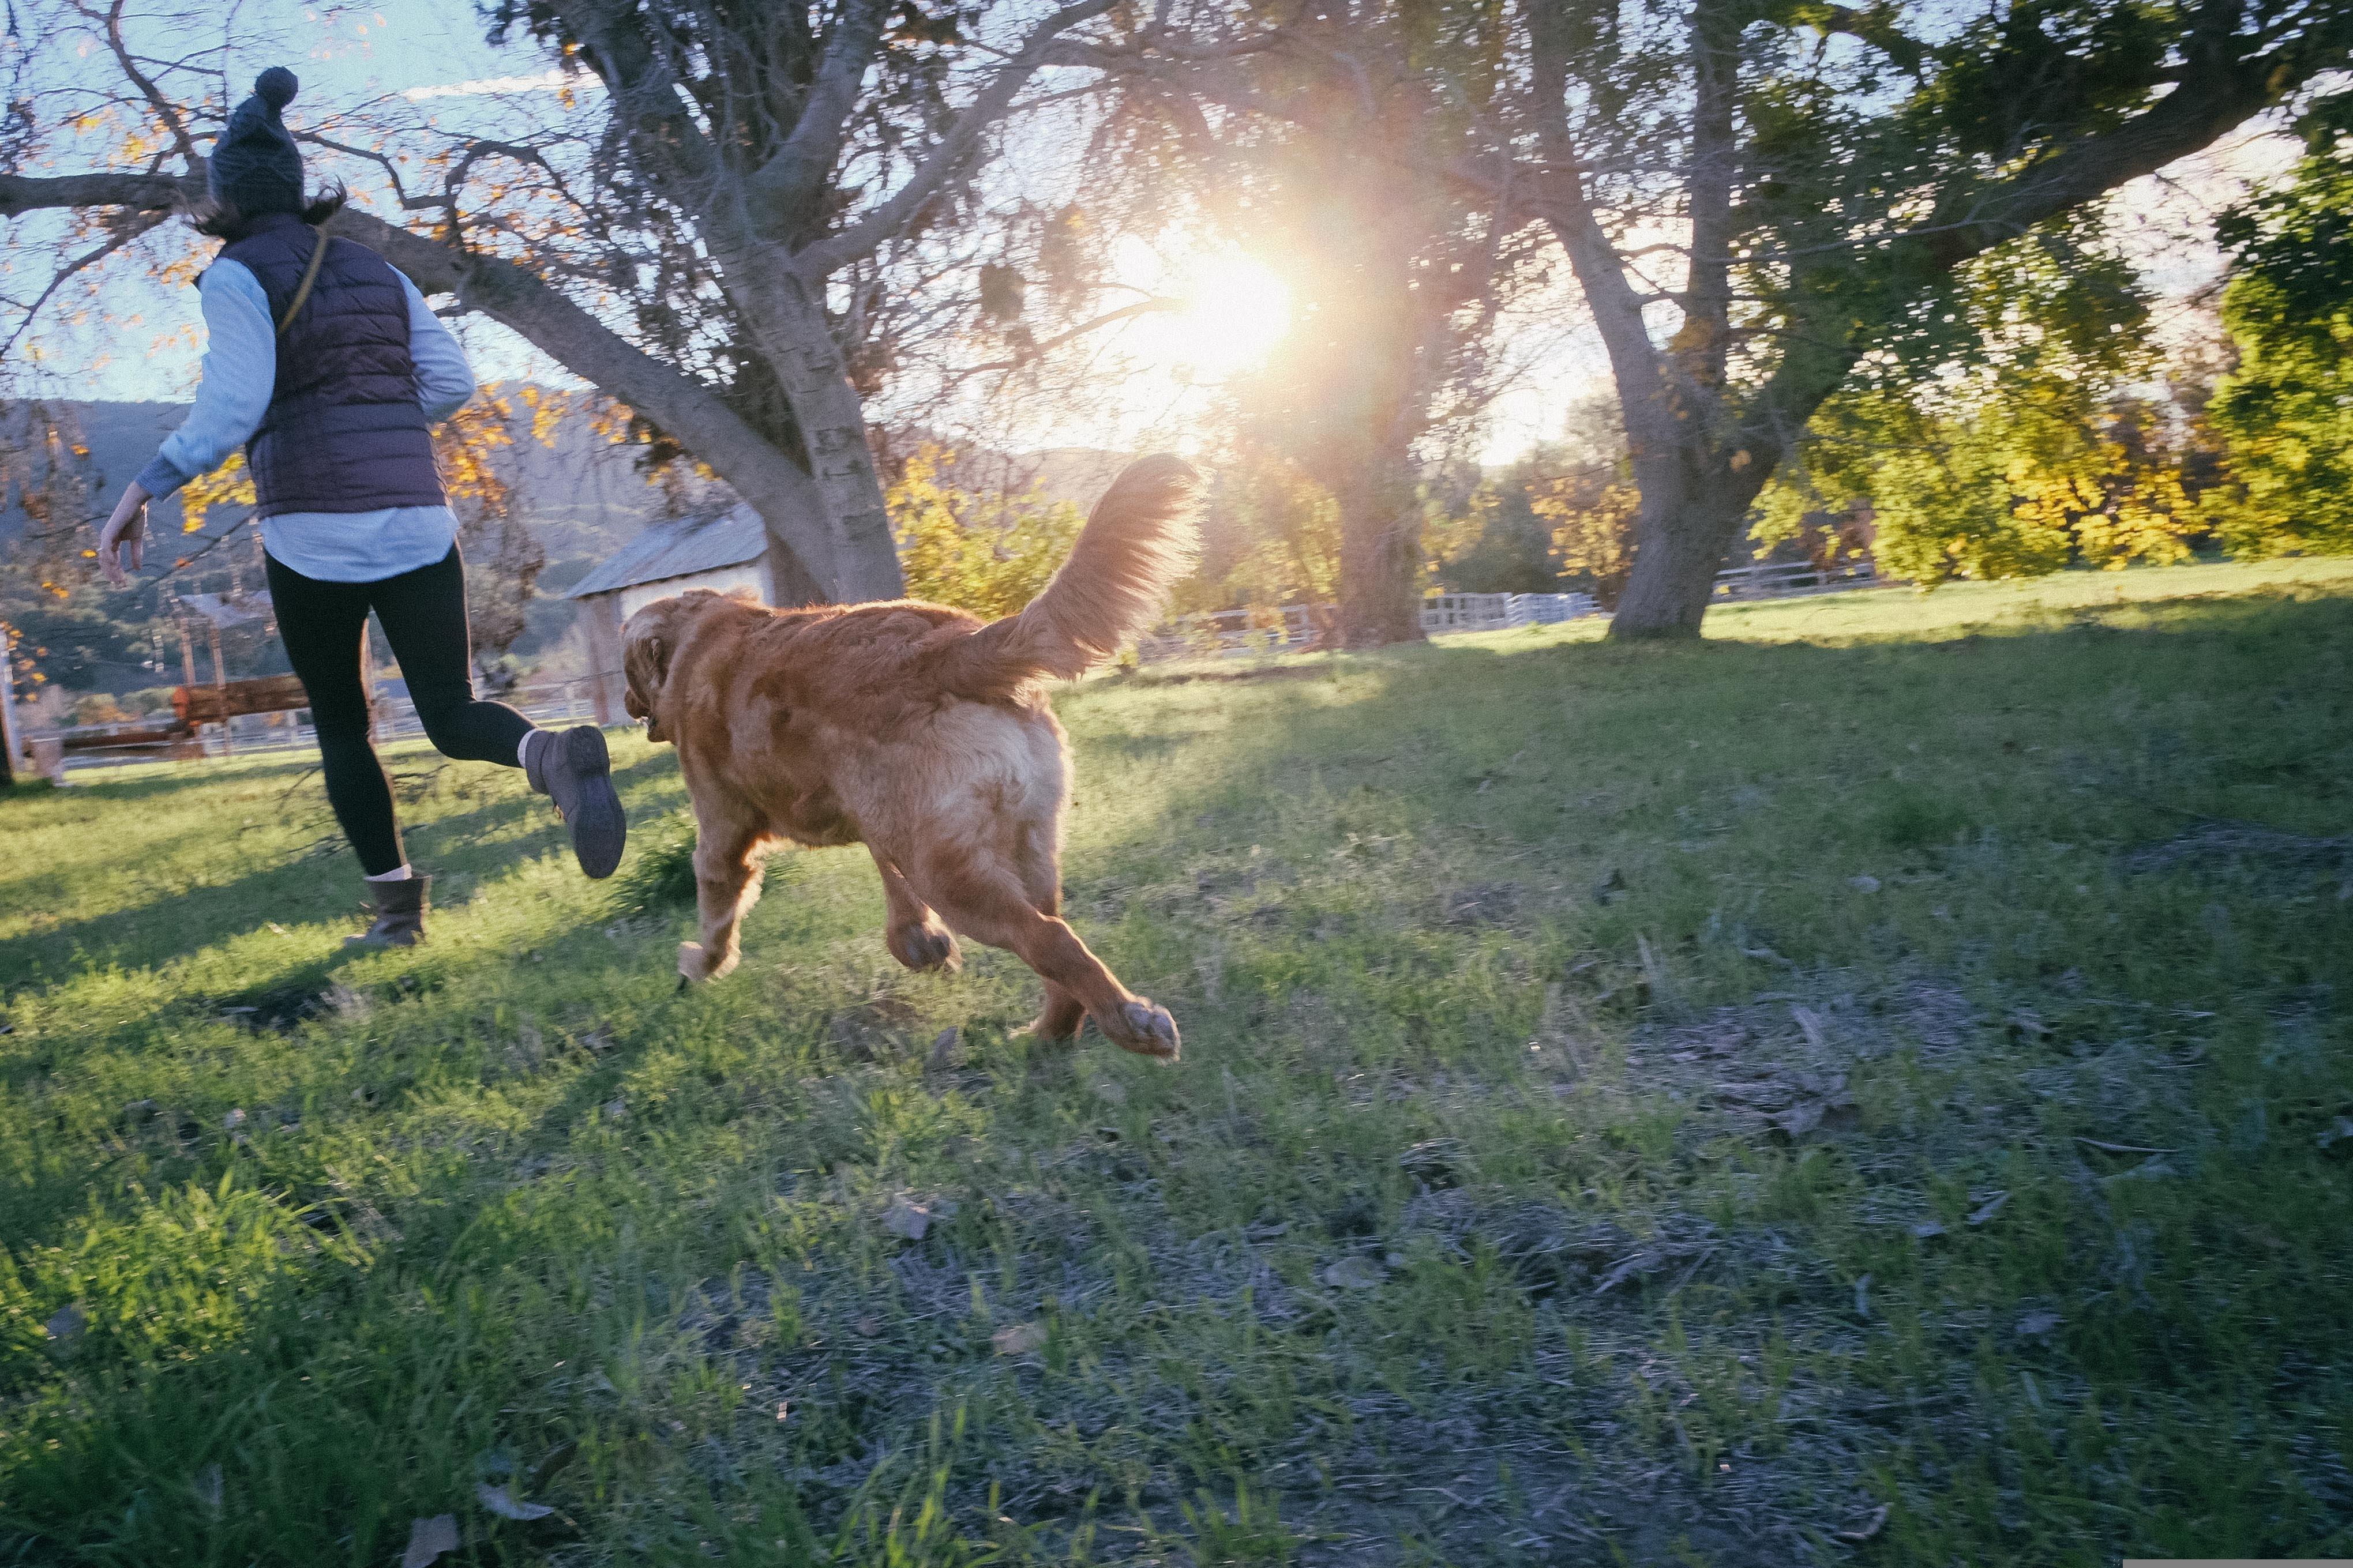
{"type": "Point", "coordinates": [225, 220]}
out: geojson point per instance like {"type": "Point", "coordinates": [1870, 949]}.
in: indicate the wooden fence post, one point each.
{"type": "Point", "coordinates": [12, 745]}
{"type": "Point", "coordinates": [220, 689]}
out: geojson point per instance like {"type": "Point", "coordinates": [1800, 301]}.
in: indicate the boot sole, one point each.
{"type": "Point", "coordinates": [599, 827]}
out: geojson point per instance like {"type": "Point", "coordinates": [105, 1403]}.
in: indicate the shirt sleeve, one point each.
{"type": "Point", "coordinates": [240, 372]}
{"type": "Point", "coordinates": [444, 380]}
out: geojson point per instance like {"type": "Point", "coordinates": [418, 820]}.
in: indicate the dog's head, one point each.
{"type": "Point", "coordinates": [647, 641]}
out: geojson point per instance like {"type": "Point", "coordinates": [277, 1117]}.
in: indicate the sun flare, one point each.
{"type": "Point", "coordinates": [1237, 309]}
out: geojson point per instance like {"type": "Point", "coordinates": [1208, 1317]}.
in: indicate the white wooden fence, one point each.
{"type": "Point", "coordinates": [1793, 579]}
{"type": "Point", "coordinates": [1211, 634]}
{"type": "Point", "coordinates": [1215, 633]}
{"type": "Point", "coordinates": [1500, 612]}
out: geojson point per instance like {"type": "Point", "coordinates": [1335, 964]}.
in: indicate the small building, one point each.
{"type": "Point", "coordinates": [727, 553]}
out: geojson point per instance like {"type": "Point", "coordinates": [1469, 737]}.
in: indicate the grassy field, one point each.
{"type": "Point", "coordinates": [1877, 1086]}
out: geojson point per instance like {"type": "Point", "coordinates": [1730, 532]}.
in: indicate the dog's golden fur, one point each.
{"type": "Point", "coordinates": [922, 733]}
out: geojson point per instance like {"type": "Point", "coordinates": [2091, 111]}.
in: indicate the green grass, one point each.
{"type": "Point", "coordinates": [1638, 1104]}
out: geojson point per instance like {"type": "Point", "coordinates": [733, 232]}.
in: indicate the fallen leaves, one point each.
{"type": "Point", "coordinates": [1018, 1339]}
{"type": "Point", "coordinates": [1871, 1525]}
{"type": "Point", "coordinates": [1821, 1104]}
{"type": "Point", "coordinates": [1353, 1273]}
{"type": "Point", "coordinates": [910, 1220]}
{"type": "Point", "coordinates": [1988, 1209]}
{"type": "Point", "coordinates": [429, 1540]}
{"type": "Point", "coordinates": [1437, 1162]}
{"type": "Point", "coordinates": [500, 1502]}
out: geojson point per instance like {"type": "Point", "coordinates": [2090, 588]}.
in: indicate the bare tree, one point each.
{"type": "Point", "coordinates": [714, 250]}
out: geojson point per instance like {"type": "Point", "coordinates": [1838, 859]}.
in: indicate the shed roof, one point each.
{"type": "Point", "coordinates": [680, 549]}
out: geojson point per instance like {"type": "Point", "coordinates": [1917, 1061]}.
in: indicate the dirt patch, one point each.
{"type": "Point", "coordinates": [2217, 844]}
{"type": "Point", "coordinates": [1262, 672]}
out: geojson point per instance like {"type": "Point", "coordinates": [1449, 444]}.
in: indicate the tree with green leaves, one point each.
{"type": "Point", "coordinates": [2026, 451]}
{"type": "Point", "coordinates": [1760, 196]}
{"type": "Point", "coordinates": [2286, 414]}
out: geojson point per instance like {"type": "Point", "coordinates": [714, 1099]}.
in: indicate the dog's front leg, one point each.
{"type": "Point", "coordinates": [727, 873]}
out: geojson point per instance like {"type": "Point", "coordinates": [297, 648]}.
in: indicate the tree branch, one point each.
{"type": "Point", "coordinates": [1875, 27]}
{"type": "Point", "coordinates": [1714, 43]}
{"type": "Point", "coordinates": [516, 298]}
{"type": "Point", "coordinates": [138, 225]}
{"type": "Point", "coordinates": [1036, 351]}
{"type": "Point", "coordinates": [165, 110]}
{"type": "Point", "coordinates": [1557, 193]}
{"type": "Point", "coordinates": [644, 91]}
{"type": "Point", "coordinates": [790, 183]}
{"type": "Point", "coordinates": [948, 160]}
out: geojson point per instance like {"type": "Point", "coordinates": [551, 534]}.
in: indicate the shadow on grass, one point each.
{"type": "Point", "coordinates": [316, 884]}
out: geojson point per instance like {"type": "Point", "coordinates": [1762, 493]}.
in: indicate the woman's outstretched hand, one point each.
{"type": "Point", "coordinates": [127, 527]}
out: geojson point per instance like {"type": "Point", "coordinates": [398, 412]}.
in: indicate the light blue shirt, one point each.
{"type": "Point", "coordinates": [240, 372]}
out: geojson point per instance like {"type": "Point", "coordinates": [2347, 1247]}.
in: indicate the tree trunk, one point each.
{"type": "Point", "coordinates": [832, 419]}
{"type": "Point", "coordinates": [1694, 502]}
{"type": "Point", "coordinates": [1380, 556]}
{"type": "Point", "coordinates": [1675, 563]}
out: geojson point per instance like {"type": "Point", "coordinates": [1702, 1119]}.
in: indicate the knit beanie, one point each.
{"type": "Point", "coordinates": [256, 166]}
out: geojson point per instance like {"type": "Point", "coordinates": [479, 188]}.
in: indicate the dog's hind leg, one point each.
{"type": "Point", "coordinates": [917, 938]}
{"type": "Point", "coordinates": [993, 907]}
{"type": "Point", "coordinates": [1039, 856]}
{"type": "Point", "coordinates": [727, 873]}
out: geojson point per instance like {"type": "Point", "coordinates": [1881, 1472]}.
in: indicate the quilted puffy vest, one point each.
{"type": "Point", "coordinates": [344, 432]}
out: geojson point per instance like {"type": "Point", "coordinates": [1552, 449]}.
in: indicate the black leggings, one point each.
{"type": "Point", "coordinates": [423, 613]}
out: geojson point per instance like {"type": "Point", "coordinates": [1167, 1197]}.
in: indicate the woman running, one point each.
{"type": "Point", "coordinates": [326, 365]}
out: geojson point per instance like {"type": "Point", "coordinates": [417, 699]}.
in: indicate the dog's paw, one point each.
{"type": "Point", "coordinates": [929, 946]}
{"type": "Point", "coordinates": [695, 963]}
{"type": "Point", "coordinates": [1146, 1030]}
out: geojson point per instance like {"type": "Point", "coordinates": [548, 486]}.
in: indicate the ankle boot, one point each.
{"type": "Point", "coordinates": [572, 768]}
{"type": "Point", "coordinates": [399, 910]}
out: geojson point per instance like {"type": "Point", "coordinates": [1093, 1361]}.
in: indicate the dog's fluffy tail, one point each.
{"type": "Point", "coordinates": [1138, 540]}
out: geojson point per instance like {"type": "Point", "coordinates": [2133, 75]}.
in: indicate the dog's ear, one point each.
{"type": "Point", "coordinates": [647, 642]}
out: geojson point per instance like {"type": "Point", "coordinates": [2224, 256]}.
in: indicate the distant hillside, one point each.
{"type": "Point", "coordinates": [580, 497]}
{"type": "Point", "coordinates": [1074, 474]}
{"type": "Point", "coordinates": [121, 438]}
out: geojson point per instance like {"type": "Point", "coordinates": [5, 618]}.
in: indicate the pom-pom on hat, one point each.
{"type": "Point", "coordinates": [254, 165]}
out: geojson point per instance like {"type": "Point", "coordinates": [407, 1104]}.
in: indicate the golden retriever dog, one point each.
{"type": "Point", "coordinates": [920, 733]}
